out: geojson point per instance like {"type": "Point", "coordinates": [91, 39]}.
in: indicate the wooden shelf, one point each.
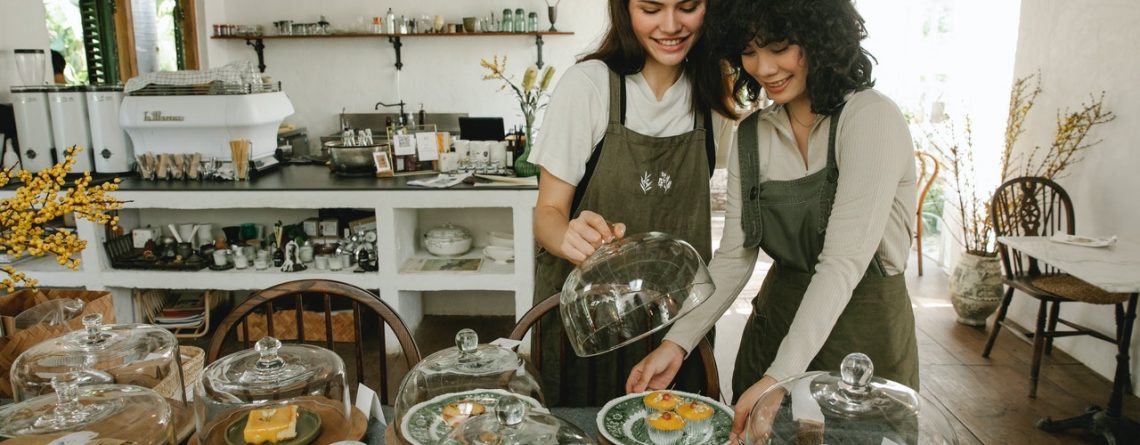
{"type": "Point", "coordinates": [257, 41]}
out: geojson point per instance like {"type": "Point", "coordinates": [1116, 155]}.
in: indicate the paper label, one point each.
{"type": "Point", "coordinates": [427, 146]}
{"type": "Point", "coordinates": [368, 403]}
{"type": "Point", "coordinates": [404, 144]}
{"type": "Point", "coordinates": [506, 343]}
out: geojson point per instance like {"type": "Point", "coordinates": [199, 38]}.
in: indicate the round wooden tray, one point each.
{"type": "Point", "coordinates": [334, 429]}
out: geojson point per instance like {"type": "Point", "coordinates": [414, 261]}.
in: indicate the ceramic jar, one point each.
{"type": "Point", "coordinates": [447, 240]}
{"type": "Point", "coordinates": [975, 288]}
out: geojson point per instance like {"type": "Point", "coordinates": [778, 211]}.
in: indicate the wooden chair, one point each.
{"type": "Point", "coordinates": [928, 168]}
{"type": "Point", "coordinates": [532, 322]}
{"type": "Point", "coordinates": [1033, 206]}
{"type": "Point", "coordinates": [294, 296]}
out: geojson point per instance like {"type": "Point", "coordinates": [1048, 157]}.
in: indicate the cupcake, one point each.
{"type": "Point", "coordinates": [665, 428]}
{"type": "Point", "coordinates": [658, 401]}
{"type": "Point", "coordinates": [698, 418]}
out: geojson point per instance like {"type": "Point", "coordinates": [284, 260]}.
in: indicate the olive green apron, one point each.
{"type": "Point", "coordinates": [788, 220]}
{"type": "Point", "coordinates": [649, 184]}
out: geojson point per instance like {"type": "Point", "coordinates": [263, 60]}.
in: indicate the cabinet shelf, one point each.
{"type": "Point", "coordinates": [45, 269]}
{"type": "Point", "coordinates": [233, 279]}
{"type": "Point", "coordinates": [258, 41]}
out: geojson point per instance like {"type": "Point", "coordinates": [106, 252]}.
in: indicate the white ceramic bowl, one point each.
{"type": "Point", "coordinates": [501, 255]}
{"type": "Point", "coordinates": [447, 240]}
{"type": "Point", "coordinates": [501, 239]}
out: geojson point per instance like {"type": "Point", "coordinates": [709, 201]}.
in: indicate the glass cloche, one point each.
{"type": "Point", "coordinates": [514, 422]}
{"type": "Point", "coordinates": [292, 391]}
{"type": "Point", "coordinates": [126, 354]}
{"type": "Point", "coordinates": [89, 414]}
{"type": "Point", "coordinates": [848, 407]}
{"type": "Point", "coordinates": [452, 385]}
{"type": "Point", "coordinates": [631, 288]}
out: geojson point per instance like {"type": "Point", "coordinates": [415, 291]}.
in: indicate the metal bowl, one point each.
{"type": "Point", "coordinates": [352, 160]}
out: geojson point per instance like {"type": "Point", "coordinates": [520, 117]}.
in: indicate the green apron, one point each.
{"type": "Point", "coordinates": [788, 220]}
{"type": "Point", "coordinates": [649, 184]}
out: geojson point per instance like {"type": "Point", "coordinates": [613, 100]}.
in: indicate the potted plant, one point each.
{"type": "Point", "coordinates": [532, 96]}
{"type": "Point", "coordinates": [27, 218]}
{"type": "Point", "coordinates": [976, 283]}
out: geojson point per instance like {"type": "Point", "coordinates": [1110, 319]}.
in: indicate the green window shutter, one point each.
{"type": "Point", "coordinates": [179, 39]}
{"type": "Point", "coordinates": [98, 18]}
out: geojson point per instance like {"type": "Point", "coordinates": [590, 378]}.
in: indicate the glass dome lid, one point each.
{"type": "Point", "coordinates": [851, 406]}
{"type": "Point", "coordinates": [133, 354]}
{"type": "Point", "coordinates": [468, 379]}
{"type": "Point", "coordinates": [86, 413]}
{"type": "Point", "coordinates": [272, 370]}
{"type": "Point", "coordinates": [631, 288]}
{"type": "Point", "coordinates": [514, 422]}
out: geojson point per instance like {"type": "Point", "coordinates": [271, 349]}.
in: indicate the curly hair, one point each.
{"type": "Point", "coordinates": [827, 31]}
{"type": "Point", "coordinates": [621, 51]}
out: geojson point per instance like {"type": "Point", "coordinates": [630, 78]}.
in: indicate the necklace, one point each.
{"type": "Point", "coordinates": [793, 116]}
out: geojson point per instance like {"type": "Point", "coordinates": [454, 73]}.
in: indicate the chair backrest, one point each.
{"type": "Point", "coordinates": [331, 300]}
{"type": "Point", "coordinates": [928, 168]}
{"type": "Point", "coordinates": [532, 322]}
{"type": "Point", "coordinates": [1029, 206]}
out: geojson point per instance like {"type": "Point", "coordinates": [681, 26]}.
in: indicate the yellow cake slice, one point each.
{"type": "Point", "coordinates": [271, 425]}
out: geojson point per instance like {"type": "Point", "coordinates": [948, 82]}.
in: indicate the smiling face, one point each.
{"type": "Point", "coordinates": [779, 67]}
{"type": "Point", "coordinates": [667, 29]}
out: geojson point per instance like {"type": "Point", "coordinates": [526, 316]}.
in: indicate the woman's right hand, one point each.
{"type": "Point", "coordinates": [587, 233]}
{"type": "Point", "coordinates": [657, 370]}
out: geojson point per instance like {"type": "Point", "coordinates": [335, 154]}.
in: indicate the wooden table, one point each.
{"type": "Point", "coordinates": [1115, 269]}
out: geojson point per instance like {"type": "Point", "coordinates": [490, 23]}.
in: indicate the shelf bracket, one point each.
{"type": "Point", "coordinates": [538, 43]}
{"type": "Point", "coordinates": [259, 47]}
{"type": "Point", "coordinates": [395, 41]}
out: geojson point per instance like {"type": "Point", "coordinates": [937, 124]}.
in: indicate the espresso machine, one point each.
{"type": "Point", "coordinates": [70, 125]}
{"type": "Point", "coordinates": [110, 145]}
{"type": "Point", "coordinates": [33, 125]}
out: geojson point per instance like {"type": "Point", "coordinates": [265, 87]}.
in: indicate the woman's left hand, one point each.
{"type": "Point", "coordinates": [745, 404]}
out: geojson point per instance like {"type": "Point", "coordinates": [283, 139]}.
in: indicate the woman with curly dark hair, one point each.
{"type": "Point", "coordinates": [822, 181]}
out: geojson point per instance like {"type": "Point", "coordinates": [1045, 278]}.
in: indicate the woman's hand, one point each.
{"type": "Point", "coordinates": [657, 369]}
{"type": "Point", "coordinates": [585, 234]}
{"type": "Point", "coordinates": [744, 407]}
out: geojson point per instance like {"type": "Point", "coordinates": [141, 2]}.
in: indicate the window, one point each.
{"type": "Point", "coordinates": [110, 41]}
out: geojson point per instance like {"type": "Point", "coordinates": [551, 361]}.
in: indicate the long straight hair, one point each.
{"type": "Point", "coordinates": [623, 53]}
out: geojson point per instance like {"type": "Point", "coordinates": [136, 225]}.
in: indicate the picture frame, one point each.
{"type": "Point", "coordinates": [383, 164]}
{"type": "Point", "coordinates": [404, 159]}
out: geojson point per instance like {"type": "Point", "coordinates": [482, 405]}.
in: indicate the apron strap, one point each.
{"type": "Point", "coordinates": [710, 141]}
{"type": "Point", "coordinates": [828, 193]}
{"type": "Point", "coordinates": [748, 152]}
{"type": "Point", "coordinates": [617, 116]}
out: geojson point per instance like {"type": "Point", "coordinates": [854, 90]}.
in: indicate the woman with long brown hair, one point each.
{"type": "Point", "coordinates": [628, 145]}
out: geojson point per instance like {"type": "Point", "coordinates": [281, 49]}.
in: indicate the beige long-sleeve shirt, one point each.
{"type": "Point", "coordinates": [873, 212]}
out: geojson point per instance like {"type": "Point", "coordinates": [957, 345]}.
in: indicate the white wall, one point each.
{"type": "Point", "coordinates": [22, 25]}
{"type": "Point", "coordinates": [324, 76]}
{"type": "Point", "coordinates": [1082, 48]}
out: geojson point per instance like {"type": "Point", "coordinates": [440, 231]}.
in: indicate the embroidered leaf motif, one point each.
{"type": "Point", "coordinates": [664, 181]}
{"type": "Point", "coordinates": [646, 182]}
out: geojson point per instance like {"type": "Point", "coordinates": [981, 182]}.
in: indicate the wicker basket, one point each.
{"type": "Point", "coordinates": [193, 360]}
{"type": "Point", "coordinates": [285, 326]}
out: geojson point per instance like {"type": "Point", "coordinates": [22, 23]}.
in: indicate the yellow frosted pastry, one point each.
{"type": "Point", "coordinates": [458, 412]}
{"type": "Point", "coordinates": [665, 421]}
{"type": "Point", "coordinates": [661, 401]}
{"type": "Point", "coordinates": [271, 425]}
{"type": "Point", "coordinates": [694, 411]}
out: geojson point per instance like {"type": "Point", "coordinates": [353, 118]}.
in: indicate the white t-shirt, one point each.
{"type": "Point", "coordinates": [578, 114]}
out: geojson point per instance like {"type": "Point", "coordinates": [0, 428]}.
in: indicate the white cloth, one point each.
{"type": "Point", "coordinates": [578, 114]}
{"type": "Point", "coordinates": [874, 211]}
{"type": "Point", "coordinates": [240, 73]}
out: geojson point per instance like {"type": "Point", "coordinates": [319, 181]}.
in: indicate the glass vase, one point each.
{"type": "Point", "coordinates": [523, 167]}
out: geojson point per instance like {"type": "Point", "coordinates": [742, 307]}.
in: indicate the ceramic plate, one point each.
{"type": "Point", "coordinates": [423, 424]}
{"type": "Point", "coordinates": [622, 421]}
{"type": "Point", "coordinates": [1086, 241]}
{"type": "Point", "coordinates": [308, 428]}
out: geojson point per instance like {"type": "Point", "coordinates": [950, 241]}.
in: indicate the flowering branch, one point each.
{"type": "Point", "coordinates": [45, 197]}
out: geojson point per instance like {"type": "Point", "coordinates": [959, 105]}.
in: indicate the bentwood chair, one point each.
{"type": "Point", "coordinates": [928, 168]}
{"type": "Point", "coordinates": [329, 314]}
{"type": "Point", "coordinates": [1034, 206]}
{"type": "Point", "coordinates": [537, 324]}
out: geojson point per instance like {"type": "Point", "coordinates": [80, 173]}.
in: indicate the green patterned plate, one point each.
{"type": "Point", "coordinates": [424, 425]}
{"type": "Point", "coordinates": [308, 427]}
{"type": "Point", "coordinates": [622, 421]}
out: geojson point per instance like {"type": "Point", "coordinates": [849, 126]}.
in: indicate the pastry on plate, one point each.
{"type": "Point", "coordinates": [698, 418]}
{"type": "Point", "coordinates": [457, 412]}
{"type": "Point", "coordinates": [657, 401]}
{"type": "Point", "coordinates": [665, 427]}
{"type": "Point", "coordinates": [271, 425]}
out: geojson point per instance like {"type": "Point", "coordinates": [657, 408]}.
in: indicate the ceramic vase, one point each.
{"type": "Point", "coordinates": [976, 288]}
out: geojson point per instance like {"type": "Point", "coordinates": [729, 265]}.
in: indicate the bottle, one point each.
{"type": "Point", "coordinates": [532, 22]}
{"type": "Point", "coordinates": [520, 20]}
{"type": "Point", "coordinates": [508, 22]}
{"type": "Point", "coordinates": [390, 22]}
{"type": "Point", "coordinates": [423, 115]}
